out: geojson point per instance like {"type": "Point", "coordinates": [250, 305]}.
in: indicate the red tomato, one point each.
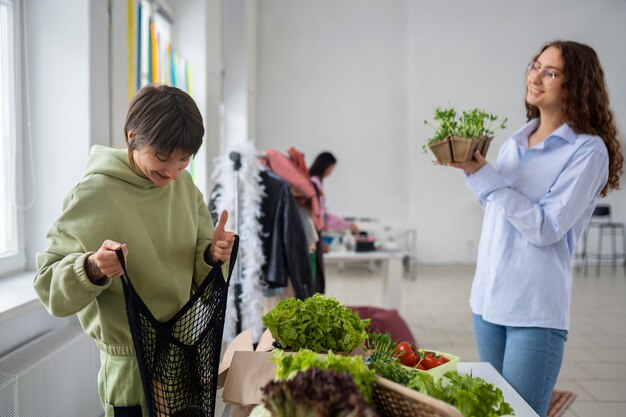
{"type": "Point", "coordinates": [409, 358]}
{"type": "Point", "coordinates": [403, 347]}
{"type": "Point", "coordinates": [405, 354]}
{"type": "Point", "coordinates": [420, 366]}
{"type": "Point", "coordinates": [444, 359]}
{"type": "Point", "coordinates": [430, 361]}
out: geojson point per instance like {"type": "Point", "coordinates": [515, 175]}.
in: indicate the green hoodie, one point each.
{"type": "Point", "coordinates": [167, 230]}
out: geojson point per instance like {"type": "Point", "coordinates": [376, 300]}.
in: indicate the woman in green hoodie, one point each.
{"type": "Point", "coordinates": [143, 201]}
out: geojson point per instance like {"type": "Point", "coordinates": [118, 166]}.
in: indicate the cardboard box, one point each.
{"type": "Point", "coordinates": [244, 371]}
{"type": "Point", "coordinates": [248, 373]}
{"type": "Point", "coordinates": [242, 343]}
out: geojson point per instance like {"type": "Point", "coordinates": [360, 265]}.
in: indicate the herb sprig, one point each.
{"type": "Point", "coordinates": [383, 359]}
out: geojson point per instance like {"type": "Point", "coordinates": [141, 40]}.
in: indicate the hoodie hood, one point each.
{"type": "Point", "coordinates": [114, 163]}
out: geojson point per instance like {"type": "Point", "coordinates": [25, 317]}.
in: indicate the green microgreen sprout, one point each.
{"type": "Point", "coordinates": [447, 122]}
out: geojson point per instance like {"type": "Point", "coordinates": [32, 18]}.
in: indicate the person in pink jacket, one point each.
{"type": "Point", "coordinates": [322, 167]}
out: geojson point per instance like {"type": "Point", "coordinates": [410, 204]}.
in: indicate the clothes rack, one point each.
{"type": "Point", "coordinates": [236, 158]}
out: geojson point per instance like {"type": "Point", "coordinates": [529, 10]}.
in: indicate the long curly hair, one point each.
{"type": "Point", "coordinates": [585, 102]}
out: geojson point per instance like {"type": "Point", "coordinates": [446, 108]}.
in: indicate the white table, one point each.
{"type": "Point", "coordinates": [393, 266]}
{"type": "Point", "coordinates": [489, 374]}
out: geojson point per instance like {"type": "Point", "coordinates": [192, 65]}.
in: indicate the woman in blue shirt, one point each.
{"type": "Point", "coordinates": [537, 201]}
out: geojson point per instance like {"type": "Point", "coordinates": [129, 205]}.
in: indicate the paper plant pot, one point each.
{"type": "Point", "coordinates": [481, 144]}
{"type": "Point", "coordinates": [463, 148]}
{"type": "Point", "coordinates": [486, 141]}
{"type": "Point", "coordinates": [442, 151]}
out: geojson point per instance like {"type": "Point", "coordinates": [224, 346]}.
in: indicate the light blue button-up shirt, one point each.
{"type": "Point", "coordinates": [537, 202]}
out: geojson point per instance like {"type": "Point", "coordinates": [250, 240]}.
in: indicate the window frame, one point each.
{"type": "Point", "coordinates": [14, 260]}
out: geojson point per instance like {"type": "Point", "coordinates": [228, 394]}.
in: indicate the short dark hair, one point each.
{"type": "Point", "coordinates": [321, 164]}
{"type": "Point", "coordinates": [165, 119]}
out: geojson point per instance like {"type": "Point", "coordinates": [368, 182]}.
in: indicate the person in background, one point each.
{"type": "Point", "coordinates": [143, 201]}
{"type": "Point", "coordinates": [537, 201]}
{"type": "Point", "coordinates": [322, 167]}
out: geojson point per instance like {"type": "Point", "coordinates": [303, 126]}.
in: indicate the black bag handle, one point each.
{"type": "Point", "coordinates": [120, 258]}
{"type": "Point", "coordinates": [231, 261]}
{"type": "Point", "coordinates": [233, 257]}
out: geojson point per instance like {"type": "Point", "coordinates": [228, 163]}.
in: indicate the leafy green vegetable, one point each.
{"type": "Point", "coordinates": [316, 393]}
{"type": "Point", "coordinates": [288, 365]}
{"type": "Point", "coordinates": [318, 323]}
{"type": "Point", "coordinates": [473, 396]}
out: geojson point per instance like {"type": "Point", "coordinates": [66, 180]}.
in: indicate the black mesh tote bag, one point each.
{"type": "Point", "coordinates": [179, 358]}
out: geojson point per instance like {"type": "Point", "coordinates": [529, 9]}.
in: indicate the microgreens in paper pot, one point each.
{"type": "Point", "coordinates": [447, 122]}
{"type": "Point", "coordinates": [477, 122]}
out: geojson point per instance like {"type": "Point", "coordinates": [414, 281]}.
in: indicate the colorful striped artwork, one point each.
{"type": "Point", "coordinates": [137, 63]}
{"type": "Point", "coordinates": [154, 54]}
{"type": "Point", "coordinates": [152, 58]}
{"type": "Point", "coordinates": [130, 45]}
{"type": "Point", "coordinates": [173, 58]}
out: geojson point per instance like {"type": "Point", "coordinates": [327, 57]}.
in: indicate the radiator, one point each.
{"type": "Point", "coordinates": [54, 375]}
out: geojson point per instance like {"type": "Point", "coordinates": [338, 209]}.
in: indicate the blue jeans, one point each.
{"type": "Point", "coordinates": [529, 358]}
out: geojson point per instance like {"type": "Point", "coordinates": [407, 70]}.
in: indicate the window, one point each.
{"type": "Point", "coordinates": [11, 247]}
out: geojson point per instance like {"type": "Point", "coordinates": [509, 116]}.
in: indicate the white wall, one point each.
{"type": "Point", "coordinates": [63, 90]}
{"type": "Point", "coordinates": [355, 77]}
{"type": "Point", "coordinates": [65, 73]}
{"type": "Point", "coordinates": [236, 70]}
{"type": "Point", "coordinates": [189, 36]}
{"type": "Point", "coordinates": [358, 78]}
{"type": "Point", "coordinates": [333, 77]}
{"type": "Point", "coordinates": [474, 54]}
{"type": "Point", "coordinates": [118, 70]}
